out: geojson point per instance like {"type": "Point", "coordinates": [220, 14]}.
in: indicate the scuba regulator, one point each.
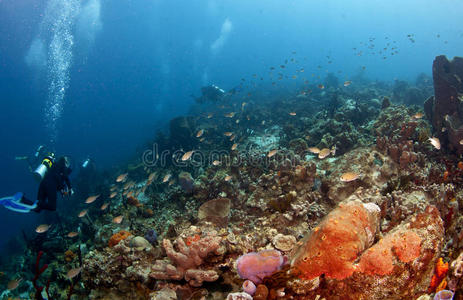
{"type": "Point", "coordinates": [44, 166]}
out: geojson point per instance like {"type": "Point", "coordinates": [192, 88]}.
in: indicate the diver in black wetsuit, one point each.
{"type": "Point", "coordinates": [56, 179]}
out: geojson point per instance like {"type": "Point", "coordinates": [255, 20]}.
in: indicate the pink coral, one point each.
{"type": "Point", "coordinates": [255, 266]}
{"type": "Point", "coordinates": [187, 259]}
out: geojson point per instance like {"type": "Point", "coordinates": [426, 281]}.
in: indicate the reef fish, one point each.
{"type": "Point", "coordinates": [42, 228]}
{"type": "Point", "coordinates": [73, 272]}
{"type": "Point", "coordinates": [118, 219]}
{"type": "Point", "coordinates": [228, 178]}
{"type": "Point", "coordinates": [347, 82]}
{"type": "Point", "coordinates": [83, 213]}
{"type": "Point", "coordinates": [200, 133]}
{"type": "Point", "coordinates": [234, 146]}
{"type": "Point", "coordinates": [292, 113]}
{"type": "Point", "coordinates": [166, 178]}
{"type": "Point", "coordinates": [113, 194]}
{"type": "Point", "coordinates": [187, 155]}
{"type": "Point", "coordinates": [13, 284]}
{"type": "Point", "coordinates": [122, 177]}
{"type": "Point", "coordinates": [92, 199]}
{"type": "Point", "coordinates": [152, 176]}
{"type": "Point", "coordinates": [72, 234]}
{"type": "Point", "coordinates": [104, 206]}
{"type": "Point", "coordinates": [435, 142]}
{"type": "Point", "coordinates": [314, 150]}
{"type": "Point", "coordinates": [228, 133]}
{"type": "Point", "coordinates": [272, 153]}
{"type": "Point", "coordinates": [417, 116]}
{"type": "Point", "coordinates": [349, 176]}
{"type": "Point", "coordinates": [325, 152]}
{"type": "Point", "coordinates": [216, 163]}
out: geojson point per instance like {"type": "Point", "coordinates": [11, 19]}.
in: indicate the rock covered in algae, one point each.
{"type": "Point", "coordinates": [216, 211]}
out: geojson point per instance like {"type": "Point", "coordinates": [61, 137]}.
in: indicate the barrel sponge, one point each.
{"type": "Point", "coordinates": [332, 247]}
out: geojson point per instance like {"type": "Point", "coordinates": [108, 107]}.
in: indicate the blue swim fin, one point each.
{"type": "Point", "coordinates": [14, 203]}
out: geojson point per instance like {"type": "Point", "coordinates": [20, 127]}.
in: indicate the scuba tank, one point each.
{"type": "Point", "coordinates": [86, 163]}
{"type": "Point", "coordinates": [44, 166]}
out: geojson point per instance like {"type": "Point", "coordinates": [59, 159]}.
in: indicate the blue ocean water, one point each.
{"type": "Point", "coordinates": [98, 78]}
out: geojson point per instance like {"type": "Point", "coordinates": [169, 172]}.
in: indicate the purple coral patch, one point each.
{"type": "Point", "coordinates": [255, 266]}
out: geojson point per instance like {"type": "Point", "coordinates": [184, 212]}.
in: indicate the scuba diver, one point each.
{"type": "Point", "coordinates": [54, 175]}
{"type": "Point", "coordinates": [212, 93]}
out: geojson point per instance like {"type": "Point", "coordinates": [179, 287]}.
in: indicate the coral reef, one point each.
{"type": "Point", "coordinates": [257, 214]}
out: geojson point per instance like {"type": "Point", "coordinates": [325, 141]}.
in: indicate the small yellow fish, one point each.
{"type": "Point", "coordinates": [232, 138]}
{"type": "Point", "coordinates": [210, 115]}
{"type": "Point", "coordinates": [72, 234]}
{"type": "Point", "coordinates": [324, 153]}
{"type": "Point", "coordinates": [73, 272]}
{"type": "Point", "coordinates": [216, 163]}
{"type": "Point", "coordinates": [112, 195]}
{"type": "Point", "coordinates": [234, 146]}
{"type": "Point", "coordinates": [122, 177]}
{"type": "Point", "coordinates": [292, 113]}
{"type": "Point", "coordinates": [187, 155]}
{"type": "Point", "coordinates": [418, 116]}
{"type": "Point", "coordinates": [152, 176]}
{"type": "Point", "coordinates": [42, 228]}
{"type": "Point", "coordinates": [92, 199]}
{"type": "Point", "coordinates": [314, 150]}
{"type": "Point", "coordinates": [349, 176]}
{"type": "Point", "coordinates": [228, 133]}
{"type": "Point", "coordinates": [13, 284]}
{"type": "Point", "coordinates": [228, 178]}
{"type": "Point", "coordinates": [230, 115]}
{"type": "Point", "coordinates": [118, 219]}
{"type": "Point", "coordinates": [347, 83]}
{"type": "Point", "coordinates": [435, 142]}
{"type": "Point", "coordinates": [83, 213]}
{"type": "Point", "coordinates": [200, 133]}
{"type": "Point", "coordinates": [321, 86]}
{"type": "Point", "coordinates": [104, 206]}
{"type": "Point", "coordinates": [272, 153]}
{"type": "Point", "coordinates": [166, 178]}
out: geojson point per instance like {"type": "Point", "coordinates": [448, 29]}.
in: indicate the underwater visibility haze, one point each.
{"type": "Point", "coordinates": [220, 149]}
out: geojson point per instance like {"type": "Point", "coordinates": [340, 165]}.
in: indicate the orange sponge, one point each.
{"type": "Point", "coordinates": [379, 259]}
{"type": "Point", "coordinates": [117, 237]}
{"type": "Point", "coordinates": [333, 246]}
